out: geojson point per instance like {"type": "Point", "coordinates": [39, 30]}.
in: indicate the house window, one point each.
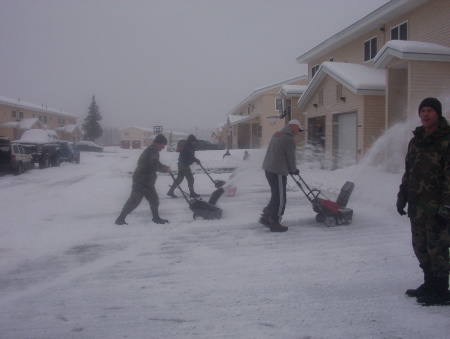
{"type": "Point", "coordinates": [314, 70]}
{"type": "Point", "coordinates": [14, 114]}
{"type": "Point", "coordinates": [400, 32]}
{"type": "Point", "coordinates": [370, 48]}
{"type": "Point", "coordinates": [278, 105]}
{"type": "Point", "coordinates": [20, 115]}
{"type": "Point", "coordinates": [338, 92]}
{"type": "Point", "coordinates": [45, 119]}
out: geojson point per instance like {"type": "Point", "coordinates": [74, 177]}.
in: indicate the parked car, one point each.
{"type": "Point", "coordinates": [13, 157]}
{"type": "Point", "coordinates": [68, 152]}
{"type": "Point", "coordinates": [43, 145]}
{"type": "Point", "coordinates": [202, 145]}
{"type": "Point", "coordinates": [88, 146]}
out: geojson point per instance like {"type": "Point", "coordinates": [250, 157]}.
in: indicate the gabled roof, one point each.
{"type": "Point", "coordinates": [411, 50]}
{"type": "Point", "coordinates": [237, 119]}
{"type": "Point", "coordinates": [359, 79]}
{"type": "Point", "coordinates": [24, 124]}
{"type": "Point", "coordinates": [374, 20]}
{"type": "Point", "coordinates": [256, 93]}
{"type": "Point", "coordinates": [67, 128]}
{"type": "Point", "coordinates": [289, 91]}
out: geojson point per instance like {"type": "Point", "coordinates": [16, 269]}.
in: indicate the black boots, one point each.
{"type": "Point", "coordinates": [121, 219]}
{"type": "Point", "coordinates": [264, 219]}
{"type": "Point", "coordinates": [438, 294]}
{"type": "Point", "coordinates": [156, 219]}
{"type": "Point", "coordinates": [433, 292]}
{"type": "Point", "coordinates": [170, 193]}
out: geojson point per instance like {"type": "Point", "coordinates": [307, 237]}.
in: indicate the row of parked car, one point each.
{"type": "Point", "coordinates": [41, 147]}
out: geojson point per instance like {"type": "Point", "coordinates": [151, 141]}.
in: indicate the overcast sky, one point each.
{"type": "Point", "coordinates": [177, 63]}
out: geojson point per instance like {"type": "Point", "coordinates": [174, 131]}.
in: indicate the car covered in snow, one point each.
{"type": "Point", "coordinates": [69, 152]}
{"type": "Point", "coordinates": [43, 145]}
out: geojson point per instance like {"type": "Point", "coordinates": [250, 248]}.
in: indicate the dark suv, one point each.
{"type": "Point", "coordinates": [201, 145]}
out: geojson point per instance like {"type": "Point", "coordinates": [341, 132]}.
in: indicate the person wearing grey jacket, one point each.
{"type": "Point", "coordinates": [278, 163]}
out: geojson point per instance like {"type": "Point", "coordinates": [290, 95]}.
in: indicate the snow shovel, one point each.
{"type": "Point", "coordinates": [201, 209]}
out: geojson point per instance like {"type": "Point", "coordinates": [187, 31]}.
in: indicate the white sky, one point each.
{"type": "Point", "coordinates": [180, 64]}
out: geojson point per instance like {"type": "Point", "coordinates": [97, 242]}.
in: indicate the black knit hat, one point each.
{"type": "Point", "coordinates": [160, 139]}
{"type": "Point", "coordinates": [191, 138]}
{"type": "Point", "coordinates": [433, 103]}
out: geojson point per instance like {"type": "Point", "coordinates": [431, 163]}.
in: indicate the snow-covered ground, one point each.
{"type": "Point", "coordinates": [67, 271]}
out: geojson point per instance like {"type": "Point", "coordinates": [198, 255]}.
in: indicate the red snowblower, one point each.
{"type": "Point", "coordinates": [329, 212]}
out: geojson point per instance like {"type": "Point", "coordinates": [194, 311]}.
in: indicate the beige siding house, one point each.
{"type": "Point", "coordinates": [16, 116]}
{"type": "Point", "coordinates": [252, 122]}
{"type": "Point", "coordinates": [374, 74]}
{"type": "Point", "coordinates": [143, 137]}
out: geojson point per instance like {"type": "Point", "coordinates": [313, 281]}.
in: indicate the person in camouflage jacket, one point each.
{"type": "Point", "coordinates": [425, 188]}
{"type": "Point", "coordinates": [144, 179]}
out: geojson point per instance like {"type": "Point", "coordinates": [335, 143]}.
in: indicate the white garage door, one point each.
{"type": "Point", "coordinates": [346, 140]}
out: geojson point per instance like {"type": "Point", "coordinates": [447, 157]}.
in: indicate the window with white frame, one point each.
{"type": "Point", "coordinates": [278, 105]}
{"type": "Point", "coordinates": [370, 48]}
{"type": "Point", "coordinates": [400, 32]}
{"type": "Point", "coordinates": [314, 70]}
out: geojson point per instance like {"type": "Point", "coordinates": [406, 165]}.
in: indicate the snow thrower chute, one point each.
{"type": "Point", "coordinates": [330, 212]}
{"type": "Point", "coordinates": [202, 209]}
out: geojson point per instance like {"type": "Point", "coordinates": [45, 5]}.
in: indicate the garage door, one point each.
{"type": "Point", "coordinates": [345, 148]}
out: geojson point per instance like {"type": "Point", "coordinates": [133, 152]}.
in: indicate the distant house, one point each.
{"type": "Point", "coordinates": [137, 137]}
{"type": "Point", "coordinates": [374, 74]}
{"type": "Point", "coordinates": [69, 133]}
{"type": "Point", "coordinates": [253, 121]}
{"type": "Point", "coordinates": [17, 116]}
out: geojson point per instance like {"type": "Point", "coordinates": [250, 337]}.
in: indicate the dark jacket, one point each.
{"type": "Point", "coordinates": [187, 154]}
{"type": "Point", "coordinates": [426, 182]}
{"type": "Point", "coordinates": [280, 155]}
{"type": "Point", "coordinates": [148, 165]}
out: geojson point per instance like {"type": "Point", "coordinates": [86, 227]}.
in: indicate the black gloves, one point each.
{"type": "Point", "coordinates": [296, 172]}
{"type": "Point", "coordinates": [401, 209]}
{"type": "Point", "coordinates": [198, 162]}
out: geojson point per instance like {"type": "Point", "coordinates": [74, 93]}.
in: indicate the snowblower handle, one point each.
{"type": "Point", "coordinates": [215, 182]}
{"type": "Point", "coordinates": [182, 192]}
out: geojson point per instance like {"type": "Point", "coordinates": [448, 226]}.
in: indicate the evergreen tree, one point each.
{"type": "Point", "coordinates": [91, 126]}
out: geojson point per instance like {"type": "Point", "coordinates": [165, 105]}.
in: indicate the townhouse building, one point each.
{"type": "Point", "coordinates": [251, 123]}
{"type": "Point", "coordinates": [17, 116]}
{"type": "Point", "coordinates": [372, 75]}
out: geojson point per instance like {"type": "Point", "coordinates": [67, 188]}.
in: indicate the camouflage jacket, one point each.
{"type": "Point", "coordinates": [426, 182]}
{"type": "Point", "coordinates": [148, 165]}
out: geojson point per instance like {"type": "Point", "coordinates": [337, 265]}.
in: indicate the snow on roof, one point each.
{"type": "Point", "coordinates": [376, 19]}
{"type": "Point", "coordinates": [292, 90]}
{"type": "Point", "coordinates": [236, 119]}
{"type": "Point", "coordinates": [411, 50]}
{"type": "Point", "coordinates": [257, 92]}
{"type": "Point", "coordinates": [41, 108]}
{"type": "Point", "coordinates": [67, 128]}
{"type": "Point", "coordinates": [23, 124]}
{"type": "Point", "coordinates": [359, 79]}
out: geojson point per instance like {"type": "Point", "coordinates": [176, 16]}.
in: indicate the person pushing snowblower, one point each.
{"type": "Point", "coordinates": [185, 160]}
{"type": "Point", "coordinates": [278, 163]}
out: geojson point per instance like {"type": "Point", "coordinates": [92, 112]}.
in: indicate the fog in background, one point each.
{"type": "Point", "coordinates": [180, 64]}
